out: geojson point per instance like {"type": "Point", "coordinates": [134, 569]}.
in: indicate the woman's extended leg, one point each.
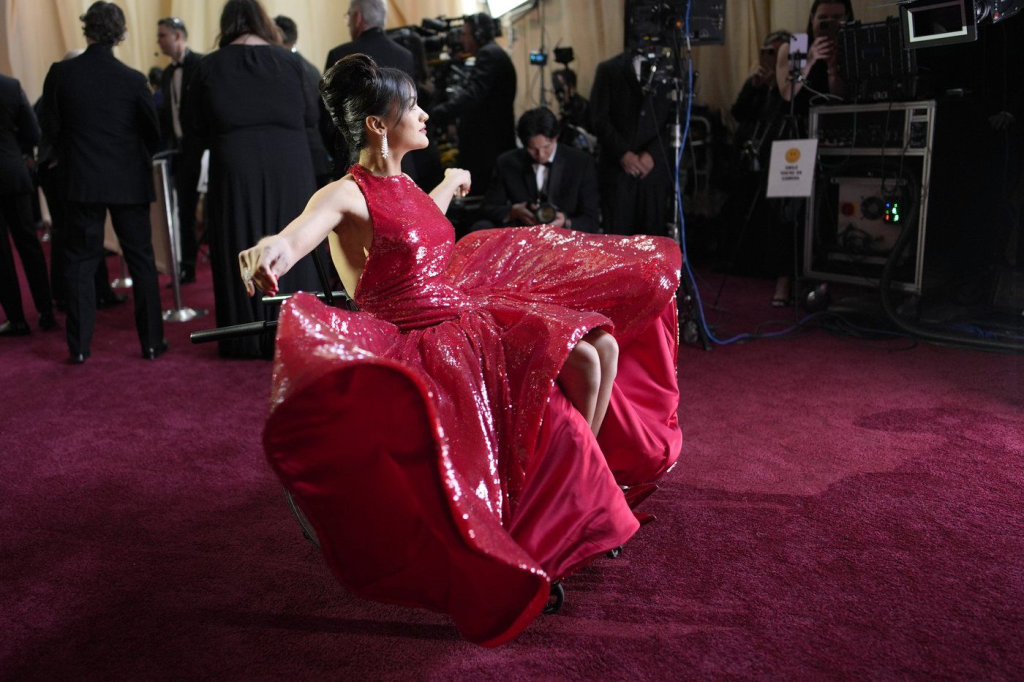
{"type": "Point", "coordinates": [580, 379]}
{"type": "Point", "coordinates": [608, 357]}
{"type": "Point", "coordinates": [588, 374]}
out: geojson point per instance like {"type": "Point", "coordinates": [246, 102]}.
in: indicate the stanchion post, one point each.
{"type": "Point", "coordinates": [179, 313]}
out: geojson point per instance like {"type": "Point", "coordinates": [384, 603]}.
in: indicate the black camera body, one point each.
{"type": "Point", "coordinates": [546, 212]}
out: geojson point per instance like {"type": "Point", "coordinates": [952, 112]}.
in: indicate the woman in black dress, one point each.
{"type": "Point", "coordinates": [249, 101]}
{"type": "Point", "coordinates": [820, 82]}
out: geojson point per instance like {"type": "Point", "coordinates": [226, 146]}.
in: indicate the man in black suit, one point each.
{"type": "Point", "coordinates": [634, 176]}
{"type": "Point", "coordinates": [172, 36]}
{"type": "Point", "coordinates": [19, 133]}
{"type": "Point", "coordinates": [485, 105]}
{"type": "Point", "coordinates": [321, 159]}
{"type": "Point", "coordinates": [103, 123]}
{"type": "Point", "coordinates": [543, 172]}
{"type": "Point", "coordinates": [366, 19]}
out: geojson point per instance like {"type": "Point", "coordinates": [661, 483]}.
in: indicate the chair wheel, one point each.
{"type": "Point", "coordinates": [615, 553]}
{"type": "Point", "coordinates": [556, 599]}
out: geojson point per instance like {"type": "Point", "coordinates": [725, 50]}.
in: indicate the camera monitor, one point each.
{"type": "Point", "coordinates": [498, 8]}
{"type": "Point", "coordinates": [929, 23]}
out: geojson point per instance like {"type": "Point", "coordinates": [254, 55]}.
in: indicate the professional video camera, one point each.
{"type": "Point", "coordinates": [656, 32]}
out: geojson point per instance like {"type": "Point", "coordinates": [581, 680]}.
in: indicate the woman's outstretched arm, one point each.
{"type": "Point", "coordinates": [263, 264]}
{"type": "Point", "coordinates": [455, 181]}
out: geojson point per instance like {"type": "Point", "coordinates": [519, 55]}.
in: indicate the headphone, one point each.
{"type": "Point", "coordinates": [481, 27]}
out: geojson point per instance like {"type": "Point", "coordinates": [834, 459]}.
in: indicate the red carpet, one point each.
{"type": "Point", "coordinates": [841, 510]}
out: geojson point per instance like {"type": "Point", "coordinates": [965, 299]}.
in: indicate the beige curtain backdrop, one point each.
{"type": "Point", "coordinates": [35, 33]}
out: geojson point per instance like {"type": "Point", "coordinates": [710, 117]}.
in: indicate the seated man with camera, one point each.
{"type": "Point", "coordinates": [544, 182]}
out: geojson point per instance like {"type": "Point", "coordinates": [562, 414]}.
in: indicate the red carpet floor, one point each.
{"type": "Point", "coordinates": [841, 510]}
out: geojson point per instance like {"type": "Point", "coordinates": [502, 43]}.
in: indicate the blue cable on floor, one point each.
{"type": "Point", "coordinates": [682, 217]}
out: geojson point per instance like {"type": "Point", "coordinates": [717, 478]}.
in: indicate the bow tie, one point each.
{"type": "Point", "coordinates": [546, 164]}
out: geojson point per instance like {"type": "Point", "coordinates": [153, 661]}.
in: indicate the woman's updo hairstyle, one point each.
{"type": "Point", "coordinates": [355, 87]}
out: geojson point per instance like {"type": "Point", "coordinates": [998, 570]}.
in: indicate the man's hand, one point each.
{"type": "Point", "coordinates": [522, 214]}
{"type": "Point", "coordinates": [646, 164]}
{"type": "Point", "coordinates": [630, 163]}
{"type": "Point", "coordinates": [559, 220]}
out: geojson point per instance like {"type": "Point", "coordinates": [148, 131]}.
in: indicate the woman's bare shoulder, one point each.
{"type": "Point", "coordinates": [343, 196]}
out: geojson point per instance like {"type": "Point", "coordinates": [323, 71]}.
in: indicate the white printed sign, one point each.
{"type": "Point", "coordinates": [791, 173]}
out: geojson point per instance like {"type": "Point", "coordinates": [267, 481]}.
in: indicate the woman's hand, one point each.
{"type": "Point", "coordinates": [460, 179]}
{"type": "Point", "coordinates": [822, 49]}
{"type": "Point", "coordinates": [456, 183]}
{"type": "Point", "coordinates": [263, 264]}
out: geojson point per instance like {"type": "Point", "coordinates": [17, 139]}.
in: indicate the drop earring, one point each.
{"type": "Point", "coordinates": [384, 146]}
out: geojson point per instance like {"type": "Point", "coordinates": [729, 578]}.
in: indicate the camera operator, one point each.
{"type": "Point", "coordinates": [485, 105]}
{"type": "Point", "coordinates": [821, 73]}
{"type": "Point", "coordinates": [633, 172]}
{"type": "Point", "coordinates": [544, 182]}
{"type": "Point", "coordinates": [574, 109]}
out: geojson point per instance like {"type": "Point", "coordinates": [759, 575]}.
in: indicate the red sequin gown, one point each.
{"type": "Point", "coordinates": [425, 437]}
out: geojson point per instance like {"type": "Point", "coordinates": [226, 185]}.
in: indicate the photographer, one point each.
{"type": "Point", "coordinates": [821, 73]}
{"type": "Point", "coordinates": [544, 182]}
{"type": "Point", "coordinates": [574, 110]}
{"type": "Point", "coordinates": [485, 105]}
{"type": "Point", "coordinates": [761, 239]}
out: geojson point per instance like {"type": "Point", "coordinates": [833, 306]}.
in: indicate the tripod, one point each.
{"type": "Point", "coordinates": [691, 315]}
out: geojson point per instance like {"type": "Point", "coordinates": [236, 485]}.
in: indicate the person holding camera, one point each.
{"type": "Point", "coordinates": [544, 182]}
{"type": "Point", "coordinates": [820, 75]}
{"type": "Point", "coordinates": [485, 106]}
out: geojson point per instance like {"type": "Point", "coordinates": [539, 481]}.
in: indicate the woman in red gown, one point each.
{"type": "Point", "coordinates": [441, 441]}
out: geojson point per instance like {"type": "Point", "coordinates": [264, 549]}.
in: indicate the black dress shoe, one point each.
{"type": "Point", "coordinates": [156, 351]}
{"type": "Point", "coordinates": [185, 276]}
{"type": "Point", "coordinates": [78, 358]}
{"type": "Point", "coordinates": [10, 328]}
{"type": "Point", "coordinates": [47, 322]}
{"type": "Point", "coordinates": [110, 300]}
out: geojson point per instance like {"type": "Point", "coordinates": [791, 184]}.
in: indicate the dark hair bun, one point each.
{"type": "Point", "coordinates": [354, 88]}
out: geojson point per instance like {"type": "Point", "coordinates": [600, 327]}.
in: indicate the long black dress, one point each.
{"type": "Point", "coordinates": [252, 105]}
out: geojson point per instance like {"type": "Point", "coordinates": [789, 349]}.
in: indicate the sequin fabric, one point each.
{"type": "Point", "coordinates": [480, 330]}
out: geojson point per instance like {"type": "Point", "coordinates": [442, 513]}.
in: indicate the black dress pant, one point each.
{"type": "Point", "coordinates": [16, 218]}
{"type": "Point", "coordinates": [186, 179]}
{"type": "Point", "coordinates": [51, 182]}
{"type": "Point", "coordinates": [84, 249]}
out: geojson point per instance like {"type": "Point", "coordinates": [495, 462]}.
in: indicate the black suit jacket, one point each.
{"type": "Point", "coordinates": [486, 111]}
{"type": "Point", "coordinates": [572, 187]}
{"type": "Point", "coordinates": [386, 52]}
{"type": "Point", "coordinates": [189, 140]}
{"type": "Point", "coordinates": [624, 117]}
{"type": "Point", "coordinates": [101, 118]}
{"type": "Point", "coordinates": [19, 133]}
{"type": "Point", "coordinates": [375, 43]}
